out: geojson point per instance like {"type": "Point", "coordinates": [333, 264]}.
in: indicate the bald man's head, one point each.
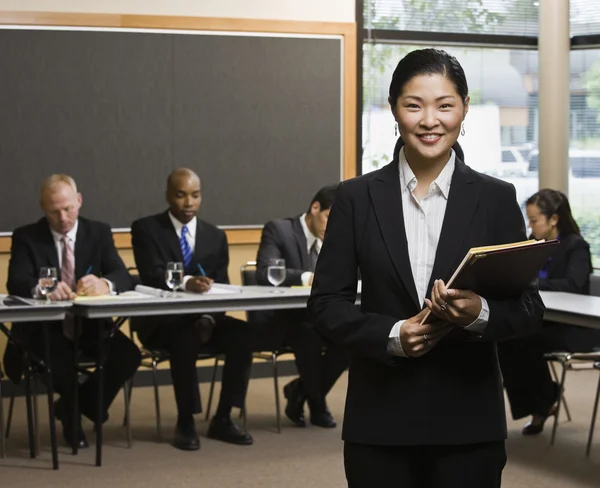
{"type": "Point", "coordinates": [183, 194]}
{"type": "Point", "coordinates": [60, 202]}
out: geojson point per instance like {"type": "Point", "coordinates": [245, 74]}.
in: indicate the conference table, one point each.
{"type": "Point", "coordinates": [147, 301]}
{"type": "Point", "coordinates": [561, 307]}
{"type": "Point", "coordinates": [569, 308]}
{"type": "Point", "coordinates": [20, 310]}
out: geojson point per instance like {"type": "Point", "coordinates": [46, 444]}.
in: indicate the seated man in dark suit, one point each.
{"type": "Point", "coordinates": [298, 240]}
{"type": "Point", "coordinates": [178, 235]}
{"type": "Point", "coordinates": [84, 254]}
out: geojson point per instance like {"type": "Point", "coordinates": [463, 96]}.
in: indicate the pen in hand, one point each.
{"type": "Point", "coordinates": [201, 269]}
{"type": "Point", "coordinates": [89, 270]}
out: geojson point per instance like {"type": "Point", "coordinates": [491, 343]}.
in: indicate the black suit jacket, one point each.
{"type": "Point", "coordinates": [155, 243]}
{"type": "Point", "coordinates": [453, 394]}
{"type": "Point", "coordinates": [283, 238]}
{"type": "Point", "coordinates": [570, 267]}
{"type": "Point", "coordinates": [33, 247]}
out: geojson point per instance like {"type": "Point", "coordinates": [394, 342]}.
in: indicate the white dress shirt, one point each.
{"type": "Point", "coordinates": [71, 238]}
{"type": "Point", "coordinates": [423, 224]}
{"type": "Point", "coordinates": [310, 240]}
{"type": "Point", "coordinates": [190, 237]}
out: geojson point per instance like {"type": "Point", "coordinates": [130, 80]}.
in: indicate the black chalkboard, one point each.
{"type": "Point", "coordinates": [257, 116]}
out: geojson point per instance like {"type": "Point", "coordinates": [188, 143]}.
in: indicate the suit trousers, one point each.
{"type": "Point", "coordinates": [319, 363]}
{"type": "Point", "coordinates": [122, 360]}
{"type": "Point", "coordinates": [179, 336]}
{"type": "Point", "coordinates": [527, 380]}
{"type": "Point", "coordinates": [460, 466]}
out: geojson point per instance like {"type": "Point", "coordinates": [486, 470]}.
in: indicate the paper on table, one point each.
{"type": "Point", "coordinates": [222, 289]}
{"type": "Point", "coordinates": [148, 290]}
{"type": "Point", "coordinates": [127, 294]}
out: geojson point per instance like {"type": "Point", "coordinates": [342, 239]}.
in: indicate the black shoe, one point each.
{"type": "Point", "coordinates": [321, 416]}
{"type": "Point", "coordinates": [294, 410]}
{"type": "Point", "coordinates": [536, 424]}
{"type": "Point", "coordinates": [186, 438]}
{"type": "Point", "coordinates": [223, 429]}
{"type": "Point", "coordinates": [61, 413]}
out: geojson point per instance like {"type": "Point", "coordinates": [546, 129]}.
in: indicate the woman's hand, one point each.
{"type": "Point", "coordinates": [460, 307]}
{"type": "Point", "coordinates": [416, 339]}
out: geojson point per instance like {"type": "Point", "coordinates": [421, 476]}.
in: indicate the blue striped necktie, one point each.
{"type": "Point", "coordinates": [186, 250]}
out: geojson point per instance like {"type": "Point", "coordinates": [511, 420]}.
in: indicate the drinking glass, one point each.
{"type": "Point", "coordinates": [174, 276]}
{"type": "Point", "coordinates": [276, 273]}
{"type": "Point", "coordinates": [47, 281]}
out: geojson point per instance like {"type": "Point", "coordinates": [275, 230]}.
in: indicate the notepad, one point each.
{"type": "Point", "coordinates": [122, 296]}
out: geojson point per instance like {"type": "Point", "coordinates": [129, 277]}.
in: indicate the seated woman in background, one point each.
{"type": "Point", "coordinates": [529, 386]}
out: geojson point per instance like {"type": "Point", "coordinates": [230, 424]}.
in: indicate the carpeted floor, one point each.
{"type": "Point", "coordinates": [296, 458]}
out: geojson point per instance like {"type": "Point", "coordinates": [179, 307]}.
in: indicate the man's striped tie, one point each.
{"type": "Point", "coordinates": [186, 250]}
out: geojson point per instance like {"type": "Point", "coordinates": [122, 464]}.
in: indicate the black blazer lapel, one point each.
{"type": "Point", "coordinates": [170, 236]}
{"type": "Point", "coordinates": [462, 203]}
{"type": "Point", "coordinates": [387, 201]}
{"type": "Point", "coordinates": [301, 242]}
{"type": "Point", "coordinates": [47, 246]}
{"type": "Point", "coordinates": [82, 251]}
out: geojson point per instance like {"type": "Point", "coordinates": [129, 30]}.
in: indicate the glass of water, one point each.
{"type": "Point", "coordinates": [174, 277]}
{"type": "Point", "coordinates": [47, 281]}
{"type": "Point", "coordinates": [276, 273]}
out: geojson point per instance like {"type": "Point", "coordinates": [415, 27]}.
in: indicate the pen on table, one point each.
{"type": "Point", "coordinates": [201, 269]}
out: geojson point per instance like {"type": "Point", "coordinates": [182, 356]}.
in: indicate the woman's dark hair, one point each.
{"type": "Point", "coordinates": [554, 202]}
{"type": "Point", "coordinates": [428, 62]}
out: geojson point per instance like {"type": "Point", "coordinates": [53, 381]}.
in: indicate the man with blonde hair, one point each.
{"type": "Point", "coordinates": [87, 263]}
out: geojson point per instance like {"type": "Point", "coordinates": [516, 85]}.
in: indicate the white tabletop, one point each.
{"type": "Point", "coordinates": [249, 298]}
{"type": "Point", "coordinates": [570, 308]}
{"type": "Point", "coordinates": [33, 311]}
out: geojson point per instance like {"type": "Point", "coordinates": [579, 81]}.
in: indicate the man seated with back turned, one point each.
{"type": "Point", "coordinates": [87, 263]}
{"type": "Point", "coordinates": [177, 235]}
{"type": "Point", "coordinates": [298, 240]}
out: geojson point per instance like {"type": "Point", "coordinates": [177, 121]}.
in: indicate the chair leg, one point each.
{"type": "Point", "coordinates": [36, 418]}
{"type": "Point", "coordinates": [129, 390]}
{"type": "Point", "coordinates": [2, 438]}
{"type": "Point", "coordinates": [156, 401]}
{"type": "Point", "coordinates": [593, 423]}
{"type": "Point", "coordinates": [29, 408]}
{"type": "Point", "coordinates": [562, 396]}
{"type": "Point", "coordinates": [127, 420]}
{"type": "Point", "coordinates": [212, 388]}
{"type": "Point", "coordinates": [276, 385]}
{"type": "Point", "coordinates": [561, 389]}
{"type": "Point", "coordinates": [11, 407]}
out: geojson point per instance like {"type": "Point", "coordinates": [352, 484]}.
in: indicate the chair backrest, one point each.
{"type": "Point", "coordinates": [595, 285]}
{"type": "Point", "coordinates": [248, 272]}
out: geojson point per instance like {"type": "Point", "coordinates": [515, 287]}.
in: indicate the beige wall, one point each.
{"type": "Point", "coordinates": [306, 10]}
{"type": "Point", "coordinates": [239, 254]}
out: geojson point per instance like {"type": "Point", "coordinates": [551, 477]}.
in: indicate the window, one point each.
{"type": "Point", "coordinates": [584, 150]}
{"type": "Point", "coordinates": [500, 128]}
{"type": "Point", "coordinates": [585, 17]}
{"type": "Point", "coordinates": [499, 17]}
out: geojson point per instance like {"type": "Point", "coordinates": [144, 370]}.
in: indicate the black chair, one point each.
{"type": "Point", "coordinates": [594, 413]}
{"type": "Point", "coordinates": [248, 272]}
{"type": "Point", "coordinates": [152, 357]}
{"type": "Point", "coordinates": [85, 368]}
{"type": "Point", "coordinates": [2, 440]}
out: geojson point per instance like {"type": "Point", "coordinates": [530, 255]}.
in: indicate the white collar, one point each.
{"type": "Point", "coordinates": [408, 179]}
{"type": "Point", "coordinates": [310, 237]}
{"type": "Point", "coordinates": [71, 235]}
{"type": "Point", "coordinates": [191, 226]}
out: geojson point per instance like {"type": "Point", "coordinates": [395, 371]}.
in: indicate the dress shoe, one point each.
{"type": "Point", "coordinates": [294, 410]}
{"type": "Point", "coordinates": [536, 425]}
{"type": "Point", "coordinates": [186, 438]}
{"type": "Point", "coordinates": [321, 416]}
{"type": "Point", "coordinates": [223, 429]}
{"type": "Point", "coordinates": [61, 413]}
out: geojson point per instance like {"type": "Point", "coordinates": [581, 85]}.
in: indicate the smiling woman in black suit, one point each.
{"type": "Point", "coordinates": [424, 406]}
{"type": "Point", "coordinates": [527, 380]}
